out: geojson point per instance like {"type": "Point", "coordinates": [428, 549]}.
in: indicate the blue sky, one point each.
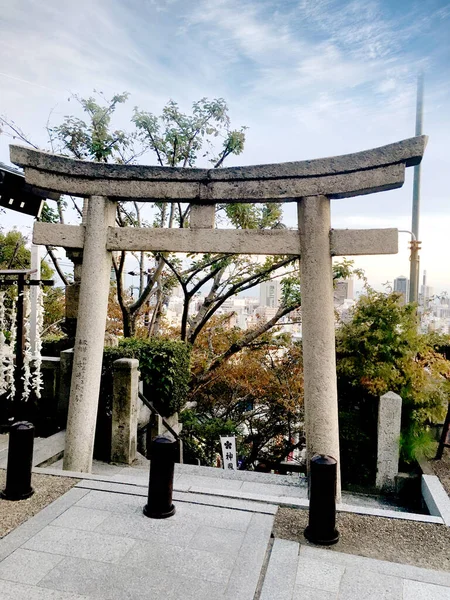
{"type": "Point", "coordinates": [309, 78]}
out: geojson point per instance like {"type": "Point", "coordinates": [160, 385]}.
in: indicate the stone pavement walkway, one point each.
{"type": "Point", "coordinates": [95, 543]}
{"type": "Point", "coordinates": [299, 572]}
{"type": "Point", "coordinates": [98, 544]}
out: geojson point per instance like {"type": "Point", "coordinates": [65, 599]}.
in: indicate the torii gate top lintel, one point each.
{"type": "Point", "coordinates": [342, 176]}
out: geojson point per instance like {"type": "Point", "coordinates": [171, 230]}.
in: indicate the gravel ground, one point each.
{"type": "Point", "coordinates": [47, 488]}
{"type": "Point", "coordinates": [442, 469]}
{"type": "Point", "coordinates": [421, 544]}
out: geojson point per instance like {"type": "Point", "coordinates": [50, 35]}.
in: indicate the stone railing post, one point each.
{"type": "Point", "coordinates": [389, 423]}
{"type": "Point", "coordinates": [124, 410]}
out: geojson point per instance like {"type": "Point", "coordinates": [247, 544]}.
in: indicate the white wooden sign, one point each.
{"type": "Point", "coordinates": [229, 452]}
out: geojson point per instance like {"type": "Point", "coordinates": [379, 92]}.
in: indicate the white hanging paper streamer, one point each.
{"type": "Point", "coordinates": [37, 382]}
{"type": "Point", "coordinates": [4, 347]}
{"type": "Point", "coordinates": [7, 367]}
{"type": "Point", "coordinates": [27, 358]}
{"type": "Point", "coordinates": [229, 452]}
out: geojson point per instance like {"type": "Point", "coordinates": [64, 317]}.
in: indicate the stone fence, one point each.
{"type": "Point", "coordinates": [129, 413]}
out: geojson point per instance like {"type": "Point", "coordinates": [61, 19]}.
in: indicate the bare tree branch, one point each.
{"type": "Point", "coordinates": [56, 265]}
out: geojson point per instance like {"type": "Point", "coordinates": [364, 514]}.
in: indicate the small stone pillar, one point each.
{"type": "Point", "coordinates": [124, 410]}
{"type": "Point", "coordinates": [389, 422]}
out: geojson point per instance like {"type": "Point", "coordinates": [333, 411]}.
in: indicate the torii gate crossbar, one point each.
{"type": "Point", "coordinates": [312, 184]}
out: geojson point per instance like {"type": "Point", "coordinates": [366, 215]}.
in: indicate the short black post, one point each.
{"type": "Point", "coordinates": [20, 462]}
{"type": "Point", "coordinates": [322, 501]}
{"type": "Point", "coordinates": [162, 463]}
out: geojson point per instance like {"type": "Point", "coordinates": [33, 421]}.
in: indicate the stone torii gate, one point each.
{"type": "Point", "coordinates": [312, 184]}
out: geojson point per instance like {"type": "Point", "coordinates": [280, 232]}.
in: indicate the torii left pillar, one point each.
{"type": "Point", "coordinates": [89, 339]}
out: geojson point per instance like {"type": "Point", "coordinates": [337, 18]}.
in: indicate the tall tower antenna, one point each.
{"type": "Point", "coordinates": [415, 244]}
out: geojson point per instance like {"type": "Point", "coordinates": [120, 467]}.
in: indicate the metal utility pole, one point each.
{"type": "Point", "coordinates": [415, 244]}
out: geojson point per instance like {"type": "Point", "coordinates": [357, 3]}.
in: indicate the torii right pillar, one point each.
{"type": "Point", "coordinates": [319, 355]}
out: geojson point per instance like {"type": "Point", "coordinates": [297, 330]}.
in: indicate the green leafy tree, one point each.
{"type": "Point", "coordinates": [14, 254]}
{"type": "Point", "coordinates": [380, 350]}
{"type": "Point", "coordinates": [175, 139]}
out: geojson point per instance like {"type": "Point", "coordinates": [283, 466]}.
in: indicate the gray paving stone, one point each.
{"type": "Point", "coordinates": [208, 483]}
{"type": "Point", "coordinates": [379, 566]}
{"type": "Point", "coordinates": [174, 530]}
{"type": "Point", "coordinates": [174, 561]}
{"type": "Point", "coordinates": [274, 490]}
{"type": "Point", "coordinates": [360, 584]}
{"type": "Point", "coordinates": [212, 472]}
{"type": "Point", "coordinates": [224, 518]}
{"type": "Point", "coordinates": [197, 589]}
{"type": "Point", "coordinates": [78, 517]}
{"type": "Point", "coordinates": [113, 487]}
{"type": "Point", "coordinates": [245, 575]}
{"type": "Point", "coordinates": [82, 544]}
{"type": "Point", "coordinates": [138, 478]}
{"type": "Point", "coordinates": [113, 582]}
{"type": "Point", "coordinates": [225, 502]}
{"type": "Point", "coordinates": [302, 593]}
{"type": "Point", "coordinates": [415, 590]}
{"type": "Point", "coordinates": [31, 527]}
{"type": "Point", "coordinates": [10, 590]}
{"type": "Point", "coordinates": [219, 541]}
{"type": "Point", "coordinates": [319, 574]}
{"type": "Point", "coordinates": [280, 575]}
{"type": "Point", "coordinates": [119, 582]}
{"type": "Point", "coordinates": [254, 497]}
{"type": "Point", "coordinates": [117, 503]}
{"type": "Point", "coordinates": [27, 566]}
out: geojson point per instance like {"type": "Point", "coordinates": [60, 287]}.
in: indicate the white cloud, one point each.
{"type": "Point", "coordinates": [309, 78]}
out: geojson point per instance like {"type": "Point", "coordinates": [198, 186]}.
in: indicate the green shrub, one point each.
{"type": "Point", "coordinates": [164, 366]}
{"type": "Point", "coordinates": [165, 370]}
{"type": "Point", "coordinates": [53, 345]}
{"type": "Point", "coordinates": [380, 350]}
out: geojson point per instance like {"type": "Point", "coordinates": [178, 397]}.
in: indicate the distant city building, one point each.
{"type": "Point", "coordinates": [345, 311]}
{"type": "Point", "coordinates": [426, 292]}
{"type": "Point", "coordinates": [343, 291]}
{"type": "Point", "coordinates": [401, 285]}
{"type": "Point", "coordinates": [270, 293]}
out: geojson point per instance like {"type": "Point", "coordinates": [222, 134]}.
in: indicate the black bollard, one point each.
{"type": "Point", "coordinates": [322, 501]}
{"type": "Point", "coordinates": [20, 462]}
{"type": "Point", "coordinates": [162, 463]}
